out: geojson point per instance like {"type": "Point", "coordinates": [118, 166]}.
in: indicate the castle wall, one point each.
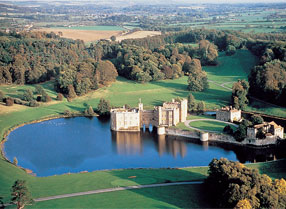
{"type": "Point", "coordinates": [235, 115]}
{"type": "Point", "coordinates": [170, 114]}
{"type": "Point", "coordinates": [147, 117]}
{"type": "Point", "coordinates": [223, 115]}
{"type": "Point", "coordinates": [183, 110]}
{"type": "Point", "coordinates": [251, 133]}
{"type": "Point", "coordinates": [121, 121]}
{"type": "Point", "coordinates": [279, 132]}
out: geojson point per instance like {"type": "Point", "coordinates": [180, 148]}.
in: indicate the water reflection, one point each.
{"type": "Point", "coordinates": [127, 143]}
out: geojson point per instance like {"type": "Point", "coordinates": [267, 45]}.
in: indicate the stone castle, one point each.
{"type": "Point", "coordinates": [228, 114]}
{"type": "Point", "coordinates": [169, 114]}
{"type": "Point", "coordinates": [271, 130]}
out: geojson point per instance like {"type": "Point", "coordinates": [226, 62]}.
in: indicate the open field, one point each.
{"type": "Point", "coordinates": [85, 35]}
{"type": "Point", "coordinates": [95, 33]}
{"type": "Point", "coordinates": [188, 196]}
{"type": "Point", "coordinates": [138, 34]}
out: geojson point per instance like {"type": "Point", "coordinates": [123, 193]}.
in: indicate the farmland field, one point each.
{"type": "Point", "coordinates": [94, 33]}
{"type": "Point", "coordinates": [85, 35]}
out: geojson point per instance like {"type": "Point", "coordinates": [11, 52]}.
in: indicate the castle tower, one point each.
{"type": "Point", "coordinates": [183, 110]}
{"type": "Point", "coordinates": [140, 105]}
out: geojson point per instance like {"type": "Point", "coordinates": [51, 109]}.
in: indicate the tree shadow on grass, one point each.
{"type": "Point", "coordinates": [76, 108]}
{"type": "Point", "coordinates": [181, 196]}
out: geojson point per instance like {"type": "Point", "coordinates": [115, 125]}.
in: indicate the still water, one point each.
{"type": "Point", "coordinates": [86, 144]}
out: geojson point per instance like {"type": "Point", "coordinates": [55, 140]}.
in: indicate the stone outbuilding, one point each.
{"type": "Point", "coordinates": [271, 130]}
{"type": "Point", "coordinates": [228, 114]}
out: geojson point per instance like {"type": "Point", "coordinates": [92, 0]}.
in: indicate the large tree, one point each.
{"type": "Point", "coordinates": [20, 194]}
{"type": "Point", "coordinates": [103, 107]}
{"type": "Point", "coordinates": [231, 184]}
{"type": "Point", "coordinates": [239, 94]}
{"type": "Point", "coordinates": [268, 82]}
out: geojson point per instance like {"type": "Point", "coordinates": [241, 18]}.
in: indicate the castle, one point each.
{"type": "Point", "coordinates": [228, 114]}
{"type": "Point", "coordinates": [271, 130]}
{"type": "Point", "coordinates": [169, 114]}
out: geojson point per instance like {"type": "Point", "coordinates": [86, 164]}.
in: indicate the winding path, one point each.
{"type": "Point", "coordinates": [98, 191]}
{"type": "Point", "coordinates": [187, 123]}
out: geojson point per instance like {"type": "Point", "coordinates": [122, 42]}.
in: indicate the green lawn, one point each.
{"type": "Point", "coordinates": [232, 68]}
{"type": "Point", "coordinates": [190, 196]}
{"type": "Point", "coordinates": [210, 125]}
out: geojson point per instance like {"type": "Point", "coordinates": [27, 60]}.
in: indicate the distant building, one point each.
{"type": "Point", "coordinates": [228, 114]}
{"type": "Point", "coordinates": [271, 130]}
{"type": "Point", "coordinates": [170, 114]}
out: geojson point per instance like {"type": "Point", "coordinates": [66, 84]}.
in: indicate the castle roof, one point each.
{"type": "Point", "coordinates": [228, 109]}
{"type": "Point", "coordinates": [272, 123]}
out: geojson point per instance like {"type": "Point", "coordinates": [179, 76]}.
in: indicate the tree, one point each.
{"type": "Point", "coordinates": [9, 101]}
{"type": "Point", "coordinates": [201, 107]}
{"type": "Point", "coordinates": [20, 194]}
{"type": "Point", "coordinates": [71, 92]}
{"type": "Point", "coordinates": [268, 82]}
{"type": "Point", "coordinates": [230, 50]}
{"type": "Point", "coordinates": [89, 111]}
{"type": "Point", "coordinates": [233, 185]}
{"type": "Point", "coordinates": [113, 38]}
{"type": "Point", "coordinates": [198, 81]}
{"type": "Point", "coordinates": [39, 89]}
{"type": "Point", "coordinates": [28, 95]}
{"type": "Point", "coordinates": [241, 133]}
{"type": "Point", "coordinates": [208, 52]}
{"type": "Point", "coordinates": [192, 106]}
{"type": "Point", "coordinates": [227, 129]}
{"type": "Point", "coordinates": [45, 97]}
{"type": "Point", "coordinates": [243, 204]}
{"type": "Point", "coordinates": [60, 97]}
{"type": "Point", "coordinates": [103, 107]}
{"type": "Point", "coordinates": [15, 161]}
{"type": "Point", "coordinates": [106, 72]}
{"type": "Point", "coordinates": [239, 94]}
{"type": "Point", "coordinates": [260, 134]}
{"type": "Point", "coordinates": [256, 119]}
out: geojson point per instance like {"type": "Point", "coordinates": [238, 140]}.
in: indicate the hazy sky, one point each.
{"type": "Point", "coordinates": [172, 1]}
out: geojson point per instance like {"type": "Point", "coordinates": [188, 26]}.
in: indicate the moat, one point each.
{"type": "Point", "coordinates": [86, 144]}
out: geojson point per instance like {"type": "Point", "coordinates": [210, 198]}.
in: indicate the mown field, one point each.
{"type": "Point", "coordinates": [210, 125]}
{"type": "Point", "coordinates": [123, 92]}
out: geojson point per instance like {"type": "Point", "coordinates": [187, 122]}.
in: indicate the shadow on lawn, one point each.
{"type": "Point", "coordinates": [181, 196]}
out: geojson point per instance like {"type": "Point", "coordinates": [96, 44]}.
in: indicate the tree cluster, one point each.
{"type": "Point", "coordinates": [268, 82]}
{"type": "Point", "coordinates": [232, 185]}
{"type": "Point", "coordinates": [84, 76]}
{"type": "Point", "coordinates": [30, 58]}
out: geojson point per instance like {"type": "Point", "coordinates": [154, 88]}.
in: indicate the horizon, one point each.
{"type": "Point", "coordinates": [157, 1]}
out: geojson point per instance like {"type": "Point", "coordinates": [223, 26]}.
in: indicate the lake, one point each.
{"type": "Point", "coordinates": [87, 144]}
